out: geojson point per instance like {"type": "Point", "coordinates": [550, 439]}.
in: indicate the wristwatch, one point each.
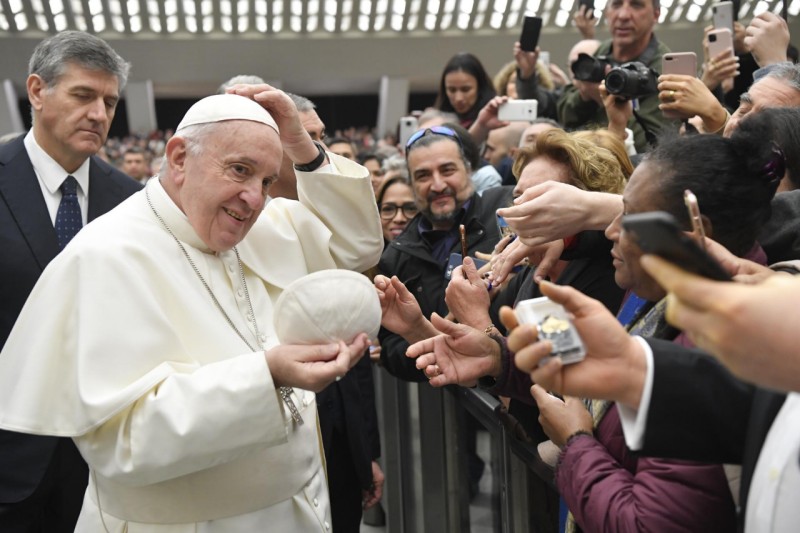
{"type": "Point", "coordinates": [316, 163]}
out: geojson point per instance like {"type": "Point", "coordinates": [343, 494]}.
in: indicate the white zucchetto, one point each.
{"type": "Point", "coordinates": [221, 107]}
{"type": "Point", "coordinates": [327, 306]}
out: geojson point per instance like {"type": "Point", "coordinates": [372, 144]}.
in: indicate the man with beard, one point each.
{"type": "Point", "coordinates": [440, 176]}
{"type": "Point", "coordinates": [446, 199]}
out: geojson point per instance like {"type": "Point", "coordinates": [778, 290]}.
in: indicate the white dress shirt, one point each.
{"type": "Point", "coordinates": [51, 175]}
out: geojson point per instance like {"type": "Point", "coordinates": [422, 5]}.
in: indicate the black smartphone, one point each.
{"type": "Point", "coordinates": [659, 233]}
{"type": "Point", "coordinates": [589, 7]}
{"type": "Point", "coordinates": [456, 261]}
{"type": "Point", "coordinates": [531, 28]}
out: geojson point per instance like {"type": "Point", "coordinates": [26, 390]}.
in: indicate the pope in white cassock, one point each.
{"type": "Point", "coordinates": [149, 339]}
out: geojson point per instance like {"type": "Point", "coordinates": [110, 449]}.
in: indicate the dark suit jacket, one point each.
{"type": "Point", "coordinates": [348, 406]}
{"type": "Point", "coordinates": [700, 411]}
{"type": "Point", "coordinates": [27, 244]}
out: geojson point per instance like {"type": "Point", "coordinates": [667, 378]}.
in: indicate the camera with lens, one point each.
{"type": "Point", "coordinates": [632, 80]}
{"type": "Point", "coordinates": [588, 68]}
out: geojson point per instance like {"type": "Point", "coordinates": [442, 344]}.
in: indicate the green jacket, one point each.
{"type": "Point", "coordinates": [574, 113]}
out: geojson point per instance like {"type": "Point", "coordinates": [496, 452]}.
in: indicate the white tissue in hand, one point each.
{"type": "Point", "coordinates": [327, 306]}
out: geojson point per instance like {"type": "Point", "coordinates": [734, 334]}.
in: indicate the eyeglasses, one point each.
{"type": "Point", "coordinates": [435, 130]}
{"type": "Point", "coordinates": [388, 211]}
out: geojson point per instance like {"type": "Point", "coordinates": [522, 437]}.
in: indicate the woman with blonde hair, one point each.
{"type": "Point", "coordinates": [605, 139]}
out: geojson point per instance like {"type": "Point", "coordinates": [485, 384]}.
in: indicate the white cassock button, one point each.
{"type": "Point", "coordinates": [263, 338]}
{"type": "Point", "coordinates": [240, 293]}
{"type": "Point", "coordinates": [316, 502]}
{"type": "Point", "coordinates": [230, 268]}
{"type": "Point", "coordinates": [327, 526]}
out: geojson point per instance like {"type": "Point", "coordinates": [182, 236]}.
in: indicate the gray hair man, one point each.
{"type": "Point", "coordinates": [51, 185]}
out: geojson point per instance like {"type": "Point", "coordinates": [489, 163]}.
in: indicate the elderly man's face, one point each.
{"type": "Point", "coordinates": [765, 93]}
{"type": "Point", "coordinates": [440, 181]}
{"type": "Point", "coordinates": [223, 185]}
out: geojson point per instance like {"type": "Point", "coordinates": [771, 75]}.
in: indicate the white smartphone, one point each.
{"type": "Point", "coordinates": [684, 63]}
{"type": "Point", "coordinates": [518, 110]}
{"type": "Point", "coordinates": [544, 57]}
{"type": "Point", "coordinates": [408, 125]}
{"type": "Point", "coordinates": [719, 41]}
{"type": "Point", "coordinates": [723, 15]}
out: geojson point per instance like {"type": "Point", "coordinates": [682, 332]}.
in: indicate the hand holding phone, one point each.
{"type": "Point", "coordinates": [719, 41]}
{"type": "Point", "coordinates": [723, 15]}
{"type": "Point", "coordinates": [408, 126]}
{"type": "Point", "coordinates": [658, 233]}
{"type": "Point", "coordinates": [693, 208]}
{"type": "Point", "coordinates": [553, 324]}
{"type": "Point", "coordinates": [531, 28]}
{"type": "Point", "coordinates": [518, 110]}
{"type": "Point", "coordinates": [683, 63]}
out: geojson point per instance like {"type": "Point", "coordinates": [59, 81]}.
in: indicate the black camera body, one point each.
{"type": "Point", "coordinates": [632, 80]}
{"type": "Point", "coordinates": [588, 68]}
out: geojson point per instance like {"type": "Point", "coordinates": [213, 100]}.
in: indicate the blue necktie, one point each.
{"type": "Point", "coordinates": [68, 218]}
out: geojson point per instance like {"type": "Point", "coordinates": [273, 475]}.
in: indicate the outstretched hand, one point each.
{"type": "Point", "coordinates": [544, 256]}
{"type": "Point", "coordinates": [467, 296]}
{"type": "Point", "coordinates": [401, 313]}
{"type": "Point", "coordinates": [614, 367]}
{"type": "Point", "coordinates": [460, 355]}
{"type": "Point", "coordinates": [560, 419]}
{"type": "Point", "coordinates": [553, 210]}
{"type": "Point", "coordinates": [752, 329]}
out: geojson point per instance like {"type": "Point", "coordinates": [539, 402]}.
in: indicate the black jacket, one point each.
{"type": "Point", "coordinates": [713, 417]}
{"type": "Point", "coordinates": [409, 258]}
{"type": "Point", "coordinates": [28, 243]}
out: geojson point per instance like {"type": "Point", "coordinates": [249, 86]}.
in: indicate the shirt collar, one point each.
{"type": "Point", "coordinates": [173, 217]}
{"type": "Point", "coordinates": [50, 172]}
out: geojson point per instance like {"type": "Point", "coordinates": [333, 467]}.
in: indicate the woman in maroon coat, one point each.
{"type": "Point", "coordinates": [605, 486]}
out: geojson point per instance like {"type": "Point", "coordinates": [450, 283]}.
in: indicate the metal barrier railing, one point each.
{"type": "Point", "coordinates": [425, 462]}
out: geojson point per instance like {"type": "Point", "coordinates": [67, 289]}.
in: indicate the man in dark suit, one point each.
{"type": "Point", "coordinates": [689, 406]}
{"type": "Point", "coordinates": [50, 185]}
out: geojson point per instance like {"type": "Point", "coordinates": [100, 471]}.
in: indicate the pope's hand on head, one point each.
{"type": "Point", "coordinates": [296, 142]}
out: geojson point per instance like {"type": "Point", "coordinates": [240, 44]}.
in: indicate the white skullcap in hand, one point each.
{"type": "Point", "coordinates": [220, 107]}
{"type": "Point", "coordinates": [327, 306]}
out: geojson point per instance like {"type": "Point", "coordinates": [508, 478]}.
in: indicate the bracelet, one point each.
{"type": "Point", "coordinates": [316, 163]}
{"type": "Point", "coordinates": [719, 130]}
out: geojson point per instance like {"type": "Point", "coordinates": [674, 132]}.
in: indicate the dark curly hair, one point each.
{"type": "Point", "coordinates": [734, 181]}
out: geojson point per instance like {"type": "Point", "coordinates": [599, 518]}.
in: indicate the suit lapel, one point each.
{"type": "Point", "coordinates": [104, 193]}
{"type": "Point", "coordinates": [21, 192]}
